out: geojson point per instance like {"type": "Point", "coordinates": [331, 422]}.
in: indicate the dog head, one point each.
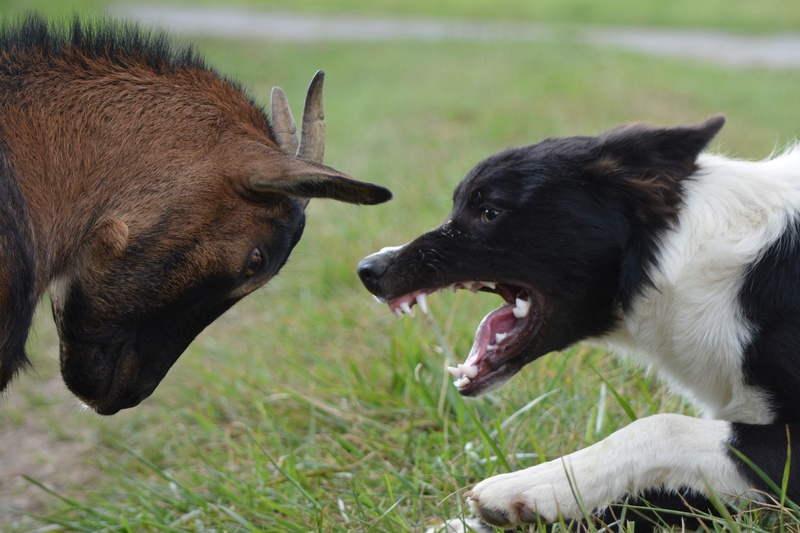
{"type": "Point", "coordinates": [564, 231]}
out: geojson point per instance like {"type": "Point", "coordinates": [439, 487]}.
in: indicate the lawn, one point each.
{"type": "Point", "coordinates": [764, 16]}
{"type": "Point", "coordinates": [308, 406]}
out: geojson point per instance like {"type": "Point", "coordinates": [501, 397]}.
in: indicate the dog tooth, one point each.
{"type": "Point", "coordinates": [463, 382]}
{"type": "Point", "coordinates": [500, 337]}
{"type": "Point", "coordinates": [522, 307]}
{"type": "Point", "coordinates": [468, 370]}
{"type": "Point", "coordinates": [398, 312]}
{"type": "Point", "coordinates": [422, 301]}
{"type": "Point", "coordinates": [475, 286]}
{"type": "Point", "coordinates": [455, 371]}
{"type": "Point", "coordinates": [491, 284]}
{"type": "Point", "coordinates": [407, 308]}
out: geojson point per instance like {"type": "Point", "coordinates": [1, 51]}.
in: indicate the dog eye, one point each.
{"type": "Point", "coordinates": [489, 214]}
{"type": "Point", "coordinates": [254, 263]}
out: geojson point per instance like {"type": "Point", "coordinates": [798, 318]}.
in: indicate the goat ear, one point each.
{"type": "Point", "coordinates": [664, 150]}
{"type": "Point", "coordinates": [293, 176]}
{"type": "Point", "coordinates": [108, 239]}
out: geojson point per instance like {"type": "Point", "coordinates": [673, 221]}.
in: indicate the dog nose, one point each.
{"type": "Point", "coordinates": [371, 269]}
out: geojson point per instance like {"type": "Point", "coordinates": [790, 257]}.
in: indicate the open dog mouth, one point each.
{"type": "Point", "coordinates": [499, 348]}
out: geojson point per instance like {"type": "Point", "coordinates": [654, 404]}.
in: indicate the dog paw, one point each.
{"type": "Point", "coordinates": [543, 493]}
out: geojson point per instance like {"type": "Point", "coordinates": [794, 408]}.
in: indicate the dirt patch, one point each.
{"type": "Point", "coordinates": [50, 452]}
{"type": "Point", "coordinates": [44, 436]}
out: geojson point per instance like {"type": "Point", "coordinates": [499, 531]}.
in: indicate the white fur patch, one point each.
{"type": "Point", "coordinates": [58, 291]}
{"type": "Point", "coordinates": [670, 451]}
{"type": "Point", "coordinates": [388, 249]}
{"type": "Point", "coordinates": [689, 327]}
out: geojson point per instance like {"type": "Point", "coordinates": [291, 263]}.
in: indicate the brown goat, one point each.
{"type": "Point", "coordinates": [147, 192]}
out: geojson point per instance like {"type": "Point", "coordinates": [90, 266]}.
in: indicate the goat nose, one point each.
{"type": "Point", "coordinates": [371, 269]}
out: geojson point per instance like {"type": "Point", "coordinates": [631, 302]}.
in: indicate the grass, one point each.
{"type": "Point", "coordinates": [739, 15]}
{"type": "Point", "coordinates": [308, 407]}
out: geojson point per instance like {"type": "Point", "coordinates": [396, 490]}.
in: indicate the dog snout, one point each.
{"type": "Point", "coordinates": [371, 270]}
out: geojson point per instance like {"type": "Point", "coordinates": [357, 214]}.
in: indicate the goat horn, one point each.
{"type": "Point", "coordinates": [312, 140]}
{"type": "Point", "coordinates": [282, 121]}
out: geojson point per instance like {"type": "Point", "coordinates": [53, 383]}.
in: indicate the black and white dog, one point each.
{"type": "Point", "coordinates": [685, 261]}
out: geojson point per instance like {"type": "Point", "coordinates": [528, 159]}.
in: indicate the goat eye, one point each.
{"type": "Point", "coordinates": [489, 214]}
{"type": "Point", "coordinates": [254, 263]}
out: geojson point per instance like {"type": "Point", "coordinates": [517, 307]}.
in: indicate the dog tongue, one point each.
{"type": "Point", "coordinates": [500, 320]}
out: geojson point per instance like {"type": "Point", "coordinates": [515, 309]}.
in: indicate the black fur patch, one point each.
{"type": "Point", "coordinates": [17, 274]}
{"type": "Point", "coordinates": [34, 39]}
{"type": "Point", "coordinates": [771, 302]}
{"type": "Point", "coordinates": [769, 446]}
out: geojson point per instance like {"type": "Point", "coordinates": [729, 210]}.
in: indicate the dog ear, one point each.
{"type": "Point", "coordinates": [646, 164]}
{"type": "Point", "coordinates": [638, 170]}
{"type": "Point", "coordinates": [671, 151]}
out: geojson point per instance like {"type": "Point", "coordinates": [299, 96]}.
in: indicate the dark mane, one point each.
{"type": "Point", "coordinates": [32, 44]}
{"type": "Point", "coordinates": [121, 43]}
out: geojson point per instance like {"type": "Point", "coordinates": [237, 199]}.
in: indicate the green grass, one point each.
{"type": "Point", "coordinates": [739, 15]}
{"type": "Point", "coordinates": [309, 407]}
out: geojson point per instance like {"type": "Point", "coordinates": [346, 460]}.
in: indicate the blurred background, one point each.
{"type": "Point", "coordinates": [308, 406]}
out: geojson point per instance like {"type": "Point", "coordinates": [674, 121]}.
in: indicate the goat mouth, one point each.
{"type": "Point", "coordinates": [123, 392]}
{"type": "Point", "coordinates": [115, 389]}
{"type": "Point", "coordinates": [504, 340]}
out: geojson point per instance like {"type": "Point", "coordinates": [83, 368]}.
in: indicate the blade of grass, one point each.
{"type": "Point", "coordinates": [313, 501]}
{"type": "Point", "coordinates": [622, 401]}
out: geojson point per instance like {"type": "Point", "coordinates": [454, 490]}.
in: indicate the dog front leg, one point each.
{"type": "Point", "coordinates": [669, 452]}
